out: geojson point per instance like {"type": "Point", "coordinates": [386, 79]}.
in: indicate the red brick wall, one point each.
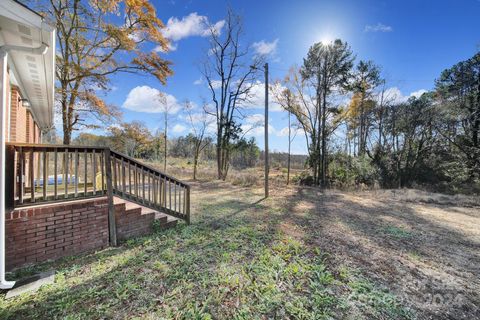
{"type": "Point", "coordinates": [18, 118]}
{"type": "Point", "coordinates": [52, 231]}
{"type": "Point", "coordinates": [132, 223]}
{"type": "Point", "coordinates": [13, 113]}
{"type": "Point", "coordinates": [49, 232]}
{"type": "Point", "coordinates": [22, 126]}
{"type": "Point", "coordinates": [8, 111]}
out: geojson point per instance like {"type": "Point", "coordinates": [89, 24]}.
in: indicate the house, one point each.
{"type": "Point", "coordinates": [58, 200]}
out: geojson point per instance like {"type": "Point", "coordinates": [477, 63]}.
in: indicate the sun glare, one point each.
{"type": "Point", "coordinates": [326, 39]}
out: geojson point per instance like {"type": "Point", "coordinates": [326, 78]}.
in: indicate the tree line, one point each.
{"type": "Point", "coordinates": [135, 140]}
{"type": "Point", "coordinates": [430, 139]}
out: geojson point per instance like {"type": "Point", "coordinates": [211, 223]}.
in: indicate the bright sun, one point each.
{"type": "Point", "coordinates": [326, 39]}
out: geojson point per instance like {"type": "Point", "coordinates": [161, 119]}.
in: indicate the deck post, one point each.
{"type": "Point", "coordinates": [187, 199]}
{"type": "Point", "coordinates": [111, 208]}
{"type": "Point", "coordinates": [10, 171]}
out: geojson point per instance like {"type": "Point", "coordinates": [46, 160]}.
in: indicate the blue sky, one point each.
{"type": "Point", "coordinates": [413, 41]}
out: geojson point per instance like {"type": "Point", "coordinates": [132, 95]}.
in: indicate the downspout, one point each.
{"type": "Point", "coordinates": [4, 284]}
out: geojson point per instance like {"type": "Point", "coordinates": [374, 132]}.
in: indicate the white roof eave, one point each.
{"type": "Point", "coordinates": [35, 73]}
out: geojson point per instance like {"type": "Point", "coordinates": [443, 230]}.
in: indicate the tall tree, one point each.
{"type": "Point", "coordinates": [230, 74]}
{"type": "Point", "coordinates": [365, 80]}
{"type": "Point", "coordinates": [158, 144]}
{"type": "Point", "coordinates": [327, 68]}
{"type": "Point", "coordinates": [132, 138]}
{"type": "Point", "coordinates": [458, 89]}
{"type": "Point", "coordinates": [96, 39]}
{"type": "Point", "coordinates": [410, 128]}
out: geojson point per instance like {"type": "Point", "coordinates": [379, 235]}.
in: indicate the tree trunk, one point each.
{"type": "Point", "coordinates": [195, 163]}
{"type": "Point", "coordinates": [67, 132]}
{"type": "Point", "coordinates": [67, 137]}
{"type": "Point", "coordinates": [219, 153]}
{"type": "Point", "coordinates": [324, 139]}
{"type": "Point", "coordinates": [166, 141]}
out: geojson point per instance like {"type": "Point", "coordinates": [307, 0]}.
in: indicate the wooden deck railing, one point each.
{"type": "Point", "coordinates": [149, 187]}
{"type": "Point", "coordinates": [51, 173]}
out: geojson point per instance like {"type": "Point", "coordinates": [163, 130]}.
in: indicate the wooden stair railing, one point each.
{"type": "Point", "coordinates": [149, 187]}
{"type": "Point", "coordinates": [56, 173]}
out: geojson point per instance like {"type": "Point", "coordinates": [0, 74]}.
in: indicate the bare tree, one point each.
{"type": "Point", "coordinates": [290, 140]}
{"type": "Point", "coordinates": [199, 123]}
{"type": "Point", "coordinates": [286, 99]}
{"type": "Point", "coordinates": [295, 96]}
{"type": "Point", "coordinates": [230, 76]}
{"type": "Point", "coordinates": [162, 98]}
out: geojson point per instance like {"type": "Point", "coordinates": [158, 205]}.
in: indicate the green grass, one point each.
{"type": "Point", "coordinates": [397, 232]}
{"type": "Point", "coordinates": [379, 303]}
{"type": "Point", "coordinates": [233, 262]}
{"type": "Point", "coordinates": [415, 256]}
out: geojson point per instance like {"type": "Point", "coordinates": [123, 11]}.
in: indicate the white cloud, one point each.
{"type": "Point", "coordinates": [254, 126]}
{"type": "Point", "coordinates": [394, 95]}
{"type": "Point", "coordinates": [255, 118]}
{"type": "Point", "coordinates": [188, 26]}
{"type": "Point", "coordinates": [264, 48]}
{"type": "Point", "coordinates": [283, 132]}
{"type": "Point", "coordinates": [148, 99]}
{"type": "Point", "coordinates": [171, 47]}
{"type": "Point", "coordinates": [379, 27]}
{"type": "Point", "coordinates": [418, 93]}
{"type": "Point", "coordinates": [178, 128]}
{"type": "Point", "coordinates": [295, 131]}
{"type": "Point", "coordinates": [191, 25]}
{"type": "Point", "coordinates": [256, 131]}
{"type": "Point", "coordinates": [257, 98]}
{"type": "Point", "coordinates": [216, 84]}
{"type": "Point", "coordinates": [200, 117]}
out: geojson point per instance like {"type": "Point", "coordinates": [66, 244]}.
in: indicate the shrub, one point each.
{"type": "Point", "coordinates": [345, 171]}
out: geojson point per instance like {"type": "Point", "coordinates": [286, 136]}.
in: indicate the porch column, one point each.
{"type": "Point", "coordinates": [4, 284]}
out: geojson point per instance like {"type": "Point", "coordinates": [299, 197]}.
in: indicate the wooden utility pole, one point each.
{"type": "Point", "coordinates": [165, 151]}
{"type": "Point", "coordinates": [289, 141]}
{"type": "Point", "coordinates": [266, 131]}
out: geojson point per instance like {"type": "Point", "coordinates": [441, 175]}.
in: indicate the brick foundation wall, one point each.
{"type": "Point", "coordinates": [48, 232]}
{"type": "Point", "coordinates": [132, 223]}
{"type": "Point", "coordinates": [53, 231]}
